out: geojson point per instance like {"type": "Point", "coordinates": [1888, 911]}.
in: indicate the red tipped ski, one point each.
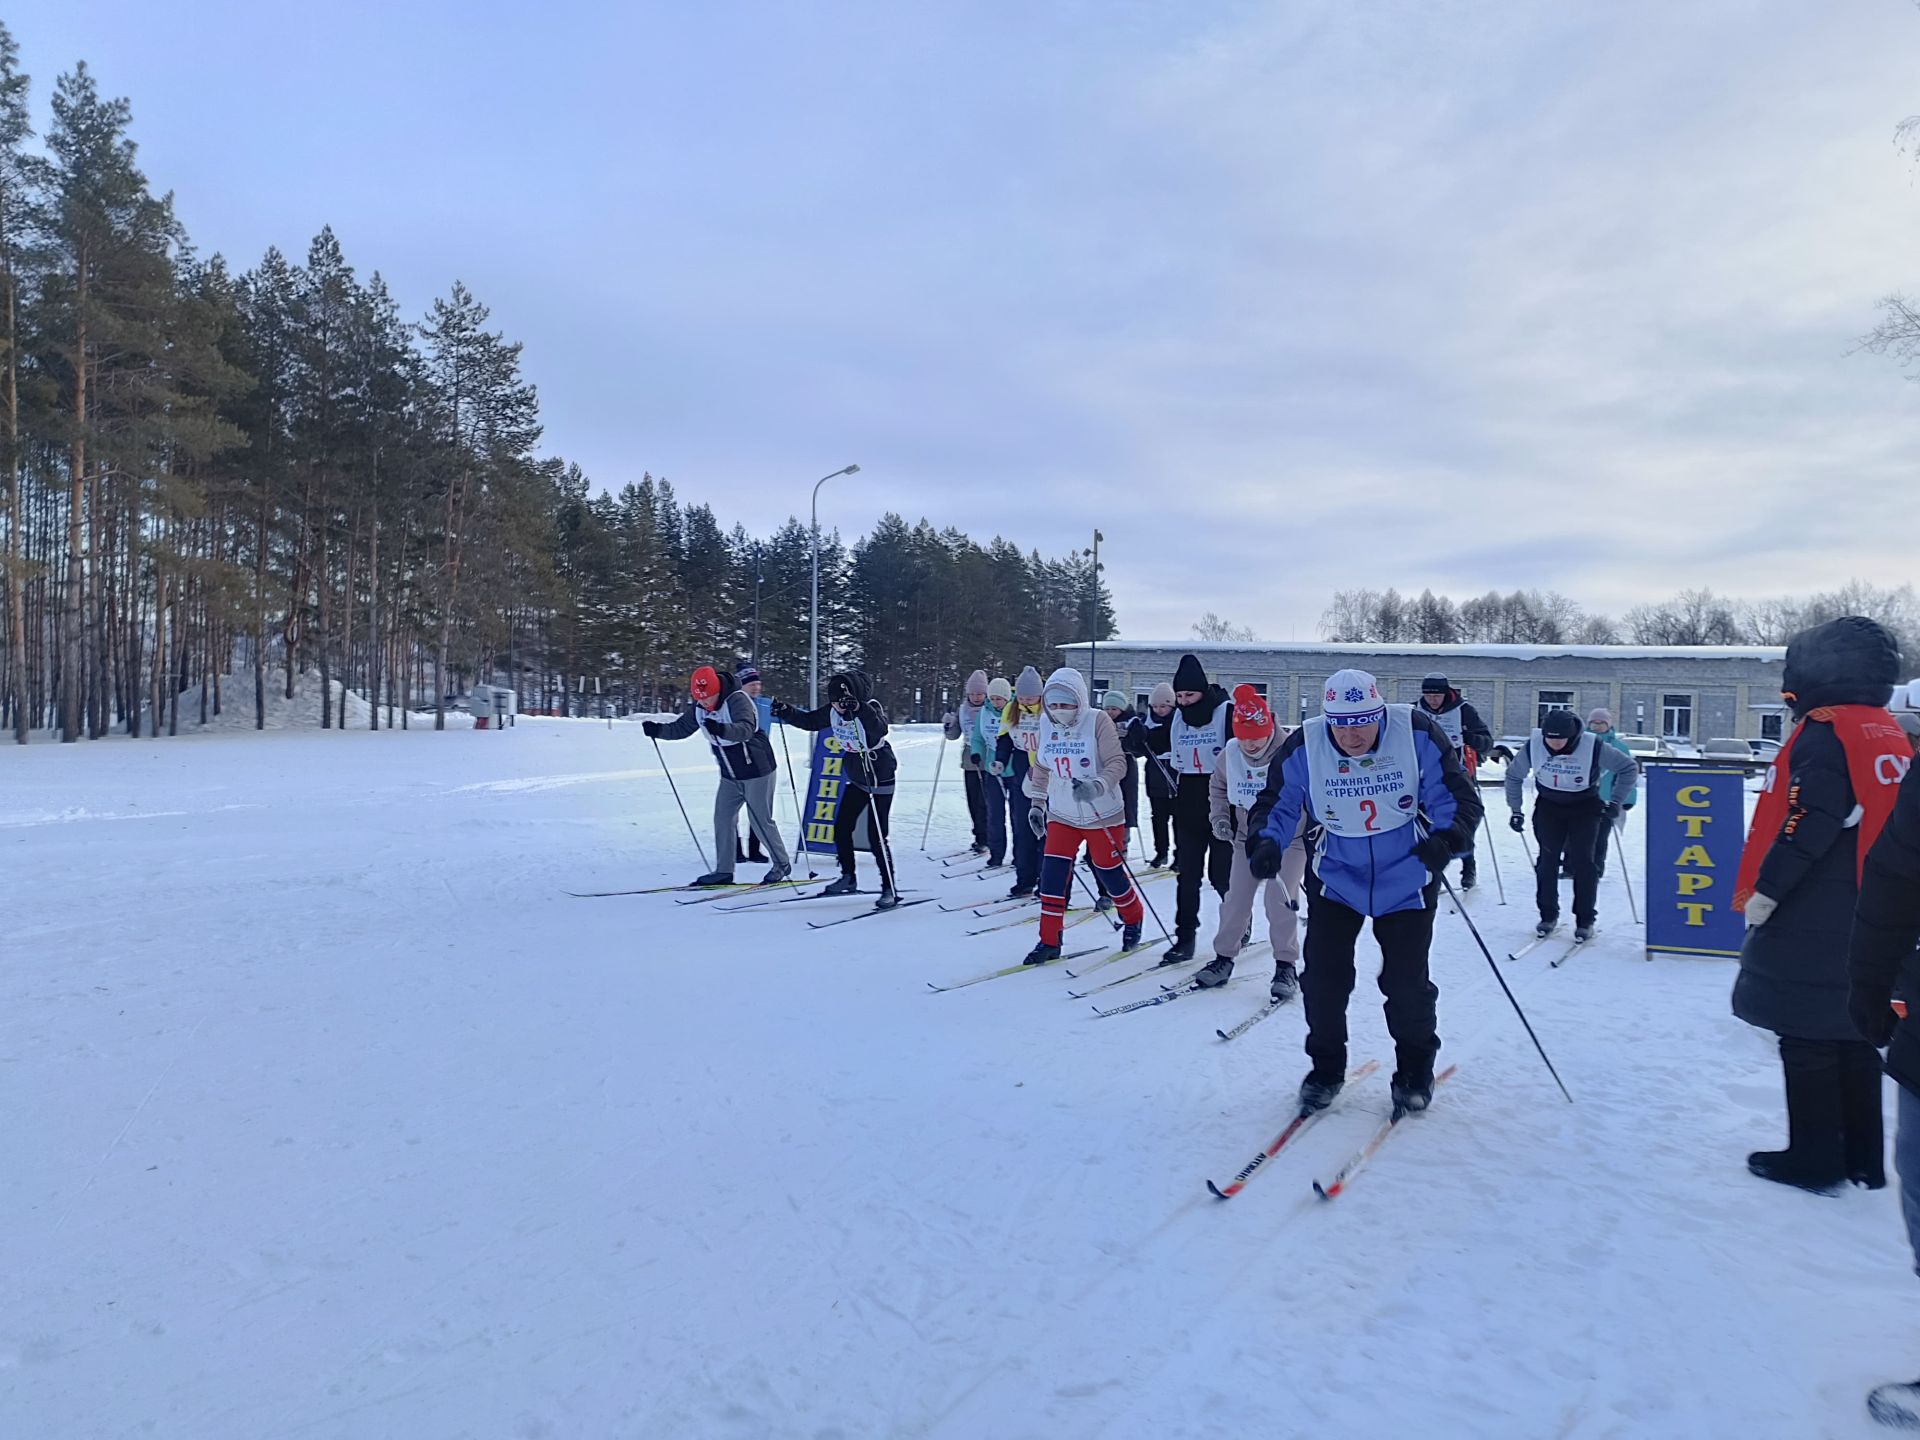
{"type": "Point", "coordinates": [1365, 1153]}
{"type": "Point", "coordinates": [1281, 1141]}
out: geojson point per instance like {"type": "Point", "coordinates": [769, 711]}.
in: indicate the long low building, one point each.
{"type": "Point", "coordinates": [1681, 692]}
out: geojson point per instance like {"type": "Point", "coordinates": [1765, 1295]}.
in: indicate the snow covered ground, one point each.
{"type": "Point", "coordinates": [328, 1113]}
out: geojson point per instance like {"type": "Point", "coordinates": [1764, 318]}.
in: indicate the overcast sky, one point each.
{"type": "Point", "coordinates": [1284, 297]}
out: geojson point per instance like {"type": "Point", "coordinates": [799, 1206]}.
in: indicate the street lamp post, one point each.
{"type": "Point", "coordinates": [813, 620]}
{"type": "Point", "coordinates": [1093, 647]}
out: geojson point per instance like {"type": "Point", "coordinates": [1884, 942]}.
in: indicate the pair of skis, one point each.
{"type": "Point", "coordinates": [1343, 1177]}
{"type": "Point", "coordinates": [1566, 953]}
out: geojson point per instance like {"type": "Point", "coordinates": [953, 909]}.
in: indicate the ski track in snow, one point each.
{"type": "Point", "coordinates": [333, 1116]}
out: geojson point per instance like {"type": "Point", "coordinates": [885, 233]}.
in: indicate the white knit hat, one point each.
{"type": "Point", "coordinates": [1352, 697]}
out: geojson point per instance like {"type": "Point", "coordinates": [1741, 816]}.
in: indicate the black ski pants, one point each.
{"type": "Point", "coordinates": [852, 804]}
{"type": "Point", "coordinates": [1162, 807]}
{"type": "Point", "coordinates": [1196, 853]}
{"type": "Point", "coordinates": [1567, 834]}
{"type": "Point", "coordinates": [1404, 937]}
{"type": "Point", "coordinates": [976, 801]}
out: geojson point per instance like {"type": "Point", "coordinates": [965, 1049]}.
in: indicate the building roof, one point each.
{"type": "Point", "coordinates": [1491, 652]}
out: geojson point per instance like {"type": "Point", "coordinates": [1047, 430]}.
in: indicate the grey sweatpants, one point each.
{"type": "Point", "coordinates": [1236, 907]}
{"type": "Point", "coordinates": [757, 796]}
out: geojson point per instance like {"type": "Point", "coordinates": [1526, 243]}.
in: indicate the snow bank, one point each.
{"type": "Point", "coordinates": [302, 711]}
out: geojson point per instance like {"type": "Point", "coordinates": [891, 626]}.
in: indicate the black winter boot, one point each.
{"type": "Point", "coordinates": [1286, 982]}
{"type": "Point", "coordinates": [712, 877]}
{"type": "Point", "coordinates": [1412, 1093]}
{"type": "Point", "coordinates": [1130, 937]}
{"type": "Point", "coordinates": [1318, 1091]}
{"type": "Point", "coordinates": [1469, 873]}
{"type": "Point", "coordinates": [1041, 954]}
{"type": "Point", "coordinates": [1860, 1098]}
{"type": "Point", "coordinates": [845, 885]}
{"type": "Point", "coordinates": [1815, 1157]}
{"type": "Point", "coordinates": [889, 900]}
{"type": "Point", "coordinates": [1179, 952]}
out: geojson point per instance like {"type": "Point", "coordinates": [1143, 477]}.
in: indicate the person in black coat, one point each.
{"type": "Point", "coordinates": [1148, 740]}
{"type": "Point", "coordinates": [859, 723]}
{"type": "Point", "coordinates": [1793, 961]}
{"type": "Point", "coordinates": [1193, 741]}
{"type": "Point", "coordinates": [1881, 963]}
{"type": "Point", "coordinates": [730, 720]}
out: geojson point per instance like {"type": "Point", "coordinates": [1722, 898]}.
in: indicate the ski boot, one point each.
{"type": "Point", "coordinates": [1412, 1093]}
{"type": "Point", "coordinates": [1286, 983]}
{"type": "Point", "coordinates": [845, 885]}
{"type": "Point", "coordinates": [777, 874]}
{"type": "Point", "coordinates": [1179, 952]}
{"type": "Point", "coordinates": [1469, 873]}
{"type": "Point", "coordinates": [1546, 927]}
{"type": "Point", "coordinates": [1216, 971]}
{"type": "Point", "coordinates": [1042, 954]}
{"type": "Point", "coordinates": [978, 847]}
{"type": "Point", "coordinates": [1896, 1406]}
{"type": "Point", "coordinates": [1019, 892]}
{"type": "Point", "coordinates": [1158, 862]}
{"type": "Point", "coordinates": [1130, 937]}
{"type": "Point", "coordinates": [1583, 931]}
{"type": "Point", "coordinates": [889, 899]}
{"type": "Point", "coordinates": [1318, 1091]}
{"type": "Point", "coordinates": [1104, 903]}
{"type": "Point", "coordinates": [712, 878]}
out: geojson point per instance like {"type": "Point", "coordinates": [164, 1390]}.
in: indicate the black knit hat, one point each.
{"type": "Point", "coordinates": [1560, 725]}
{"type": "Point", "coordinates": [1435, 684]}
{"type": "Point", "coordinates": [1190, 674]}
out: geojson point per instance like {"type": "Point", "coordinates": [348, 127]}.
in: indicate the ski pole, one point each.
{"type": "Point", "coordinates": [1620, 850]}
{"type": "Point", "coordinates": [938, 765]}
{"type": "Point", "coordinates": [876, 827]}
{"type": "Point", "coordinates": [799, 815]}
{"type": "Point", "coordinates": [698, 847]}
{"type": "Point", "coordinates": [1494, 855]}
{"type": "Point", "coordinates": [1093, 893]}
{"type": "Point", "coordinates": [1140, 890]}
{"type": "Point", "coordinates": [1503, 985]}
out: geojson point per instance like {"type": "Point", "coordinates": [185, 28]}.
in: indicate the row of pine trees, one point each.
{"type": "Point", "coordinates": [218, 481]}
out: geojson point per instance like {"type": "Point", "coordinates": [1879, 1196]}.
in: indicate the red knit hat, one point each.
{"type": "Point", "coordinates": [1252, 718]}
{"type": "Point", "coordinates": [705, 683]}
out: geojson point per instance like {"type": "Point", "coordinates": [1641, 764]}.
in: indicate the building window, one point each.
{"type": "Point", "coordinates": [1140, 700]}
{"type": "Point", "coordinates": [1550, 701]}
{"type": "Point", "coordinates": [1676, 717]}
{"type": "Point", "coordinates": [1772, 725]}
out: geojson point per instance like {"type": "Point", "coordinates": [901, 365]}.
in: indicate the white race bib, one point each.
{"type": "Point", "coordinates": [1567, 773]}
{"type": "Point", "coordinates": [1367, 794]}
{"type": "Point", "coordinates": [1449, 721]}
{"type": "Point", "coordinates": [1066, 754]}
{"type": "Point", "coordinates": [1026, 731]}
{"type": "Point", "coordinates": [1245, 781]}
{"type": "Point", "coordinates": [1196, 749]}
{"type": "Point", "coordinates": [848, 732]}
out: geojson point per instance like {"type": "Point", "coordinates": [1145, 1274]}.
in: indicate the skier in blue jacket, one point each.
{"type": "Point", "coordinates": [1388, 804]}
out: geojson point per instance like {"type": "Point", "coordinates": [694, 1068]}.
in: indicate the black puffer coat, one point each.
{"type": "Point", "coordinates": [1793, 969]}
{"type": "Point", "coordinates": [873, 771]}
{"type": "Point", "coordinates": [1886, 927]}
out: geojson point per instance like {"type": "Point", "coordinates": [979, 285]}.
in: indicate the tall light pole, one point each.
{"type": "Point", "coordinates": [813, 620]}
{"type": "Point", "coordinates": [1093, 647]}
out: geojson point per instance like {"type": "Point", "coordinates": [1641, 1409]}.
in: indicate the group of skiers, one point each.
{"type": "Point", "coordinates": [1361, 809]}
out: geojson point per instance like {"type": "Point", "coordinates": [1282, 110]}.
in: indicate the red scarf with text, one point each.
{"type": "Point", "coordinates": [1878, 754]}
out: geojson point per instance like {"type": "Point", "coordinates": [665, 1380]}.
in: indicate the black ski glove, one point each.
{"type": "Point", "coordinates": [713, 726]}
{"type": "Point", "coordinates": [1614, 812]}
{"type": "Point", "coordinates": [650, 728]}
{"type": "Point", "coordinates": [1263, 857]}
{"type": "Point", "coordinates": [1872, 1010]}
{"type": "Point", "coordinates": [1434, 852]}
{"type": "Point", "coordinates": [781, 710]}
{"type": "Point", "coordinates": [1517, 822]}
